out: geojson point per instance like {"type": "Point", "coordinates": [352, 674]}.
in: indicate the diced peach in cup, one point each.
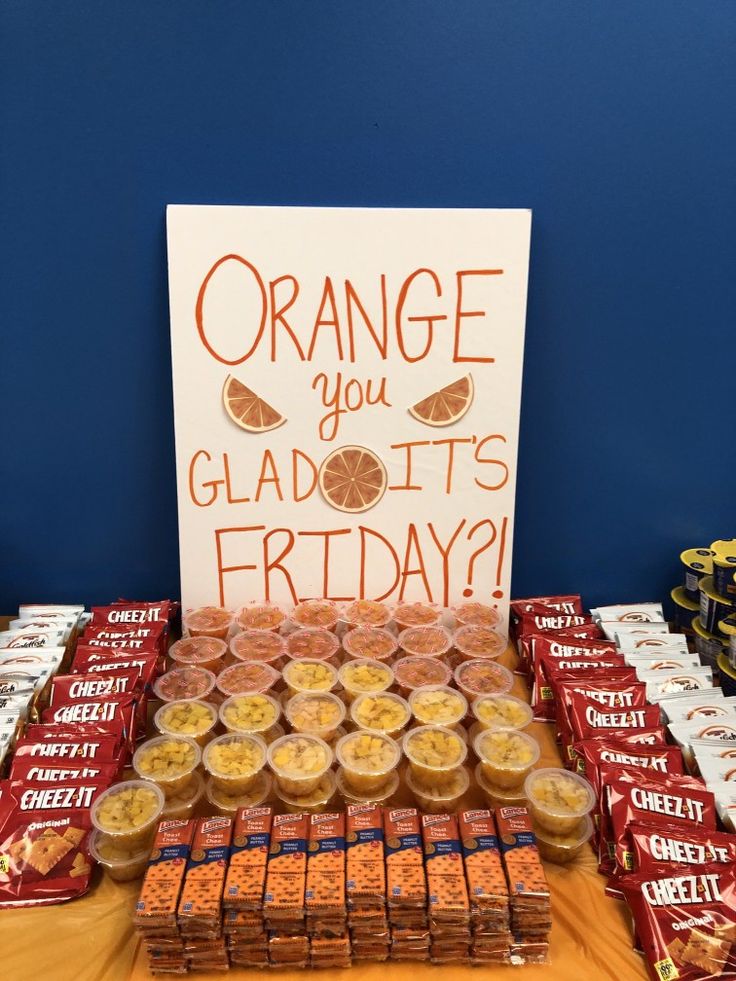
{"type": "Point", "coordinates": [415, 615]}
{"type": "Point", "coordinates": [261, 616]}
{"type": "Point", "coordinates": [427, 641]}
{"type": "Point", "coordinates": [482, 677]}
{"type": "Point", "coordinates": [204, 652]}
{"type": "Point", "coordinates": [188, 681]}
{"type": "Point", "coordinates": [313, 643]}
{"type": "Point", "coordinates": [247, 677]}
{"type": "Point", "coordinates": [415, 670]}
{"type": "Point", "coordinates": [316, 613]}
{"type": "Point", "coordinates": [208, 621]}
{"type": "Point", "coordinates": [476, 614]}
{"type": "Point", "coordinates": [370, 642]}
{"type": "Point", "coordinates": [367, 613]}
{"type": "Point", "coordinates": [478, 642]}
{"type": "Point", "coordinates": [259, 645]}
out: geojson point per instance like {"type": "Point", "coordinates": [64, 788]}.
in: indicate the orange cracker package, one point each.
{"type": "Point", "coordinates": [155, 911]}
{"type": "Point", "coordinates": [366, 875]}
{"type": "Point", "coordinates": [325, 893]}
{"type": "Point", "coordinates": [489, 895]}
{"type": "Point", "coordinates": [405, 878]}
{"type": "Point", "coordinates": [531, 918]}
{"type": "Point", "coordinates": [200, 904]}
{"type": "Point", "coordinates": [448, 893]}
{"type": "Point", "coordinates": [283, 901]}
{"type": "Point", "coordinates": [246, 874]}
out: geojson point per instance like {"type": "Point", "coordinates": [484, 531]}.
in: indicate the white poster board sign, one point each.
{"type": "Point", "coordinates": [346, 393]}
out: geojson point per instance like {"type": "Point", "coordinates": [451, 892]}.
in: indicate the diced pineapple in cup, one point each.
{"type": "Point", "coordinates": [558, 799]}
{"type": "Point", "coordinates": [383, 712]}
{"type": "Point", "coordinates": [254, 712]}
{"type": "Point", "coordinates": [434, 754]}
{"type": "Point", "coordinates": [168, 761]}
{"type": "Point", "coordinates": [189, 717]}
{"type": "Point", "coordinates": [438, 705]}
{"type": "Point", "coordinates": [368, 759]}
{"type": "Point", "coordinates": [364, 675]}
{"type": "Point", "coordinates": [309, 674]}
{"type": "Point", "coordinates": [235, 761]}
{"type": "Point", "coordinates": [317, 712]}
{"type": "Point", "coordinates": [129, 812]}
{"type": "Point", "coordinates": [298, 762]}
{"type": "Point", "coordinates": [502, 711]}
{"type": "Point", "coordinates": [506, 756]}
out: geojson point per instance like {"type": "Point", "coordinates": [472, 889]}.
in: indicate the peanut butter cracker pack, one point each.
{"type": "Point", "coordinates": [156, 908]}
{"type": "Point", "coordinates": [283, 901]}
{"type": "Point", "coordinates": [246, 875]}
{"type": "Point", "coordinates": [200, 906]}
{"type": "Point", "coordinates": [325, 891]}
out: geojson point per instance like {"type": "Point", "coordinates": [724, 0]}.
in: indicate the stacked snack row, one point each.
{"type": "Point", "coordinates": [71, 742]}
{"type": "Point", "coordinates": [705, 603]}
{"type": "Point", "coordinates": [297, 890]}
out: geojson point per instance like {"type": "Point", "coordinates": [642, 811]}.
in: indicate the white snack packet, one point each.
{"type": "Point", "coordinates": [18, 681]}
{"type": "Point", "coordinates": [709, 703]}
{"type": "Point", "coordinates": [15, 704]}
{"type": "Point", "coordinates": [661, 684]}
{"type": "Point", "coordinates": [712, 749]}
{"type": "Point", "coordinates": [661, 662]}
{"type": "Point", "coordinates": [630, 612]}
{"type": "Point", "coordinates": [713, 730]}
{"type": "Point", "coordinates": [47, 658]}
{"type": "Point", "coordinates": [614, 629]}
{"type": "Point", "coordinates": [717, 771]}
{"type": "Point", "coordinates": [11, 639]}
{"type": "Point", "coordinates": [725, 796]}
{"type": "Point", "coordinates": [43, 624]}
{"type": "Point", "coordinates": [652, 642]}
{"type": "Point", "coordinates": [50, 610]}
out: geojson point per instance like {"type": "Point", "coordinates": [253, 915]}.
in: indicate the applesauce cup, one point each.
{"type": "Point", "coordinates": [506, 756]}
{"type": "Point", "coordinates": [298, 762]}
{"type": "Point", "coordinates": [188, 681]}
{"type": "Point", "coordinates": [316, 801]}
{"type": "Point", "coordinates": [416, 615]}
{"type": "Point", "coordinates": [121, 864]}
{"type": "Point", "coordinates": [367, 760]}
{"type": "Point", "coordinates": [443, 799]}
{"type": "Point", "coordinates": [473, 642]}
{"type": "Point", "coordinates": [375, 643]}
{"type": "Point", "coordinates": [499, 796]}
{"type": "Point", "coordinates": [321, 613]}
{"type": "Point", "coordinates": [188, 717]}
{"type": "Point", "coordinates": [208, 621]}
{"type": "Point", "coordinates": [433, 641]}
{"type": "Point", "coordinates": [260, 616]}
{"type": "Point", "coordinates": [253, 712]}
{"type": "Point", "coordinates": [169, 762]}
{"type": "Point", "coordinates": [415, 670]}
{"type": "Point", "coordinates": [309, 674]}
{"type": "Point", "coordinates": [312, 644]}
{"type": "Point", "coordinates": [247, 677]}
{"type": "Point", "coordinates": [200, 652]}
{"type": "Point", "coordinates": [363, 675]}
{"type": "Point", "coordinates": [128, 813]}
{"type": "Point", "coordinates": [319, 713]}
{"type": "Point", "coordinates": [558, 799]}
{"type": "Point", "coordinates": [438, 705]}
{"type": "Point", "coordinates": [563, 848]}
{"type": "Point", "coordinates": [383, 712]}
{"type": "Point", "coordinates": [382, 796]}
{"type": "Point", "coordinates": [502, 711]}
{"type": "Point", "coordinates": [476, 614]}
{"type": "Point", "coordinates": [262, 646]}
{"type": "Point", "coordinates": [234, 761]}
{"type": "Point", "coordinates": [434, 754]}
{"type": "Point", "coordinates": [228, 804]}
{"type": "Point", "coordinates": [181, 806]}
{"type": "Point", "coordinates": [482, 677]}
{"type": "Point", "coordinates": [366, 613]}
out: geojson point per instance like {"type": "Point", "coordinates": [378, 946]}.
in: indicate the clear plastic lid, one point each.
{"type": "Point", "coordinates": [316, 613]}
{"type": "Point", "coordinates": [375, 643]}
{"type": "Point", "coordinates": [166, 758]}
{"type": "Point", "coordinates": [128, 808]}
{"type": "Point", "coordinates": [478, 642]}
{"type": "Point", "coordinates": [366, 613]}
{"type": "Point", "coordinates": [299, 756]}
{"type": "Point", "coordinates": [382, 712]}
{"type": "Point", "coordinates": [258, 645]}
{"type": "Point", "coordinates": [260, 616]}
{"type": "Point", "coordinates": [380, 796]}
{"type": "Point", "coordinates": [416, 614]}
{"type": "Point", "coordinates": [188, 681]}
{"type": "Point", "coordinates": [370, 753]}
{"type": "Point", "coordinates": [434, 747]}
{"type": "Point", "coordinates": [441, 798]}
{"type": "Point", "coordinates": [365, 675]}
{"type": "Point", "coordinates": [313, 800]}
{"type": "Point", "coordinates": [312, 643]}
{"type": "Point", "coordinates": [310, 674]}
{"type": "Point", "coordinates": [190, 717]}
{"type": "Point", "coordinates": [197, 650]}
{"type": "Point", "coordinates": [318, 712]}
{"type": "Point", "coordinates": [506, 749]}
{"type": "Point", "coordinates": [234, 755]}
{"type": "Point", "coordinates": [425, 641]}
{"type": "Point", "coordinates": [207, 621]}
{"type": "Point", "coordinates": [483, 677]}
{"type": "Point", "coordinates": [252, 712]}
{"type": "Point", "coordinates": [416, 670]}
{"type": "Point", "coordinates": [559, 793]}
{"type": "Point", "coordinates": [247, 677]}
{"type": "Point", "coordinates": [438, 705]}
{"type": "Point", "coordinates": [502, 796]}
{"type": "Point", "coordinates": [253, 797]}
{"type": "Point", "coordinates": [502, 711]}
{"type": "Point", "coordinates": [476, 614]}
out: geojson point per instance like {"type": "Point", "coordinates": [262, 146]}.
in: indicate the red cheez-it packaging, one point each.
{"type": "Point", "coordinates": [588, 718]}
{"type": "Point", "coordinates": [685, 919]}
{"type": "Point", "coordinates": [583, 631]}
{"type": "Point", "coordinates": [678, 844]}
{"type": "Point", "coordinates": [116, 713]}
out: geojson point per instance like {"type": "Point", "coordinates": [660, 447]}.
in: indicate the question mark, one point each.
{"type": "Point", "coordinates": [468, 591]}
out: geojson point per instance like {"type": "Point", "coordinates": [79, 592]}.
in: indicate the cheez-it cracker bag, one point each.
{"type": "Point", "coordinates": [201, 897]}
{"type": "Point", "coordinates": [246, 874]}
{"type": "Point", "coordinates": [448, 892]}
{"type": "Point", "coordinates": [405, 878]}
{"type": "Point", "coordinates": [366, 875]}
{"type": "Point", "coordinates": [159, 897]}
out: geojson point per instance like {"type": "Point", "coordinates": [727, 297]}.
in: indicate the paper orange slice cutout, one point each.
{"type": "Point", "coordinates": [352, 479]}
{"type": "Point", "coordinates": [248, 410]}
{"type": "Point", "coordinates": [446, 406]}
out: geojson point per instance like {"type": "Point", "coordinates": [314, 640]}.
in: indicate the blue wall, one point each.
{"type": "Point", "coordinates": [613, 121]}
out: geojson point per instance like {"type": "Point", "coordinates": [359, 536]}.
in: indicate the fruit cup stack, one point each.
{"type": "Point", "coordinates": [436, 775]}
{"type": "Point", "coordinates": [242, 898]}
{"type": "Point", "coordinates": [366, 882]}
{"type": "Point", "coordinates": [406, 885]}
{"type": "Point", "coordinates": [489, 895]}
{"type": "Point", "coordinates": [449, 904]}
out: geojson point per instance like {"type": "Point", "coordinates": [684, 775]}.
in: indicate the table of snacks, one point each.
{"type": "Point", "coordinates": [93, 937]}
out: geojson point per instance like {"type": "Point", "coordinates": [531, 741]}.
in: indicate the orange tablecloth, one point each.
{"type": "Point", "coordinates": [91, 939]}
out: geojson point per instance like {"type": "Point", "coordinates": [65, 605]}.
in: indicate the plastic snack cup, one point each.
{"type": "Point", "coordinates": [434, 754]}
{"type": "Point", "coordinates": [169, 762]}
{"type": "Point", "coordinates": [367, 760]}
{"type": "Point", "coordinates": [187, 681]}
{"type": "Point", "coordinates": [234, 761]}
{"type": "Point", "coordinates": [208, 621]}
{"type": "Point", "coordinates": [425, 641]}
{"type": "Point", "coordinates": [189, 717]}
{"type": "Point", "coordinates": [181, 806]}
{"type": "Point", "coordinates": [482, 677]}
{"type": "Point", "coordinates": [121, 864]}
{"type": "Point", "coordinates": [315, 712]}
{"type": "Point", "coordinates": [366, 613]}
{"type": "Point", "coordinates": [228, 804]}
{"type": "Point", "coordinates": [383, 796]}
{"type": "Point", "coordinates": [312, 643]}
{"type": "Point", "coordinates": [499, 796]}
{"type": "Point", "coordinates": [384, 712]}
{"type": "Point", "coordinates": [307, 674]}
{"type": "Point", "coordinates": [506, 756]}
{"type": "Point", "coordinates": [259, 645]}
{"type": "Point", "coordinates": [443, 799]}
{"type": "Point", "coordinates": [502, 712]}
{"type": "Point", "coordinates": [416, 615]}
{"type": "Point", "coordinates": [478, 642]}
{"type": "Point", "coordinates": [316, 613]}
{"type": "Point", "coordinates": [274, 733]}
{"type": "Point", "coordinates": [375, 643]}
{"type": "Point", "coordinates": [438, 705]}
{"type": "Point", "coordinates": [476, 614]}
{"type": "Point", "coordinates": [260, 616]}
{"type": "Point", "coordinates": [364, 675]}
{"type": "Point", "coordinates": [558, 799]}
{"type": "Point", "coordinates": [200, 652]}
{"type": "Point", "coordinates": [298, 762]}
{"type": "Point", "coordinates": [128, 813]}
{"type": "Point", "coordinates": [247, 677]}
{"type": "Point", "coordinates": [316, 801]}
{"type": "Point", "coordinates": [254, 712]}
{"type": "Point", "coordinates": [564, 848]}
{"type": "Point", "coordinates": [414, 671]}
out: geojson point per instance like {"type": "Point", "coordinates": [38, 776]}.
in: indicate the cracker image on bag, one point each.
{"type": "Point", "coordinates": [246, 875]}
